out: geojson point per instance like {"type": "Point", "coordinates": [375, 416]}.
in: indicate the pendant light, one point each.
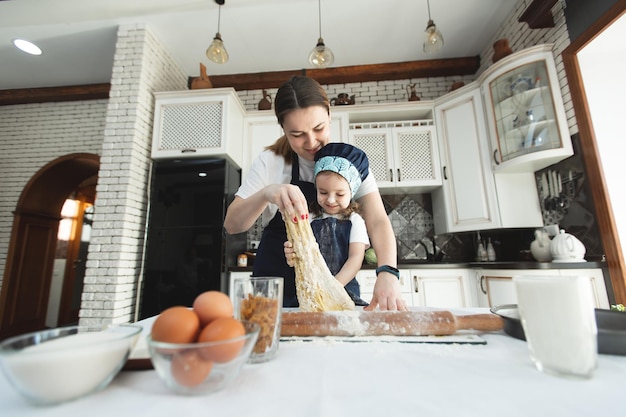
{"type": "Point", "coordinates": [433, 39]}
{"type": "Point", "coordinates": [321, 56]}
{"type": "Point", "coordinates": [216, 52]}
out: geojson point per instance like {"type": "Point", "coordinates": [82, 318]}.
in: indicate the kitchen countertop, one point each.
{"type": "Point", "coordinates": [322, 378]}
{"type": "Point", "coordinates": [478, 265]}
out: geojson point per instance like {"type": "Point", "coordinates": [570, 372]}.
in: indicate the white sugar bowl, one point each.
{"type": "Point", "coordinates": [567, 248]}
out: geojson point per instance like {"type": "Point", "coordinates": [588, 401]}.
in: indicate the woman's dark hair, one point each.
{"type": "Point", "coordinates": [299, 92]}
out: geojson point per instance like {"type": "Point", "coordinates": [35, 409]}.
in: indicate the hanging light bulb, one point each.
{"type": "Point", "coordinates": [433, 39]}
{"type": "Point", "coordinates": [216, 52]}
{"type": "Point", "coordinates": [321, 56]}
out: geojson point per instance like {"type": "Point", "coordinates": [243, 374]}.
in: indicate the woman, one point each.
{"type": "Point", "coordinates": [281, 181]}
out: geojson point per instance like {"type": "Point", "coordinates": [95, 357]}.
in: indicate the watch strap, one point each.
{"type": "Point", "coordinates": [388, 268]}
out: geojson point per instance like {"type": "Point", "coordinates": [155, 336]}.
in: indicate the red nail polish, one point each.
{"type": "Point", "coordinates": [307, 216]}
{"type": "Point", "coordinates": [295, 219]}
{"type": "Point", "coordinates": [302, 215]}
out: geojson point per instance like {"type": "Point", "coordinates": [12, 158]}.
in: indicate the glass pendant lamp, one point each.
{"type": "Point", "coordinates": [321, 56]}
{"type": "Point", "coordinates": [216, 52]}
{"type": "Point", "coordinates": [433, 39]}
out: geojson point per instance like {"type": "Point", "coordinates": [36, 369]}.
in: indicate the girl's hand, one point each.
{"type": "Point", "coordinates": [290, 254]}
{"type": "Point", "coordinates": [289, 199]}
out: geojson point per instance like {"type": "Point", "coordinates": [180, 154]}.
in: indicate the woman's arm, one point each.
{"type": "Point", "coordinates": [387, 294]}
{"type": "Point", "coordinates": [242, 213]}
{"type": "Point", "coordinates": [356, 253]}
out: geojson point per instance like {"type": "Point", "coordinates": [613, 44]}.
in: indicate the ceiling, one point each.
{"type": "Point", "coordinates": [78, 36]}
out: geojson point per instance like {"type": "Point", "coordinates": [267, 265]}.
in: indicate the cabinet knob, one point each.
{"type": "Point", "coordinates": [390, 174]}
{"type": "Point", "coordinates": [482, 289]}
{"type": "Point", "coordinates": [399, 178]}
{"type": "Point", "coordinates": [445, 172]}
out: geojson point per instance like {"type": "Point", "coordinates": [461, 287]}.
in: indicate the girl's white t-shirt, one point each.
{"type": "Point", "coordinates": [269, 168]}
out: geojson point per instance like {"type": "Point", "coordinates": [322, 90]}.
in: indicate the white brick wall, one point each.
{"type": "Point", "coordinates": [32, 135]}
{"type": "Point", "coordinates": [141, 66]}
{"type": "Point", "coordinates": [119, 130]}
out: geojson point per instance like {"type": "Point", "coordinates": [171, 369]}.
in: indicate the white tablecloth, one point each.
{"type": "Point", "coordinates": [323, 378]}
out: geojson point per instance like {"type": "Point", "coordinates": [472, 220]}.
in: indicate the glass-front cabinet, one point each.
{"type": "Point", "coordinates": [527, 122]}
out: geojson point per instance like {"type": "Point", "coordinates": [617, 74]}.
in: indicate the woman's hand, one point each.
{"type": "Point", "coordinates": [289, 199]}
{"type": "Point", "coordinates": [290, 253]}
{"type": "Point", "coordinates": [387, 294]}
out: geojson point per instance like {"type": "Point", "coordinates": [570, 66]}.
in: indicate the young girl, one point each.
{"type": "Point", "coordinates": [338, 228]}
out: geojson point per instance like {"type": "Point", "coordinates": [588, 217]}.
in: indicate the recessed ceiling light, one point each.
{"type": "Point", "coordinates": [26, 46]}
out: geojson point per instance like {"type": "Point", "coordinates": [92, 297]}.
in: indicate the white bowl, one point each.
{"type": "Point", "coordinates": [62, 364]}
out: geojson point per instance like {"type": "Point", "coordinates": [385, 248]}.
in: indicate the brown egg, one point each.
{"type": "Point", "coordinates": [222, 329]}
{"type": "Point", "coordinates": [189, 368]}
{"type": "Point", "coordinates": [211, 305]}
{"type": "Point", "coordinates": [176, 325]}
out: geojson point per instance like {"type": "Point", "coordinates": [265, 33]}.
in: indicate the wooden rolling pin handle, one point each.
{"type": "Point", "coordinates": [480, 322]}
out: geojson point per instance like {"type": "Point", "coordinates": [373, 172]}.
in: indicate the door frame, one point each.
{"type": "Point", "coordinates": [30, 257]}
{"type": "Point", "coordinates": [591, 156]}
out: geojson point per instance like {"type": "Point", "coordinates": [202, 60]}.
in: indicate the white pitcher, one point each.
{"type": "Point", "coordinates": [540, 247]}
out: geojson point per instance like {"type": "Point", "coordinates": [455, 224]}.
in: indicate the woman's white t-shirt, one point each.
{"type": "Point", "coordinates": [269, 168]}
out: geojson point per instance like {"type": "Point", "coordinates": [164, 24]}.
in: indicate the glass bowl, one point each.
{"type": "Point", "coordinates": [202, 368]}
{"type": "Point", "coordinates": [57, 365]}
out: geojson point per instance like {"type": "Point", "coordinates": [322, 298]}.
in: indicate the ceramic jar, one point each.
{"type": "Point", "coordinates": [567, 248]}
{"type": "Point", "coordinates": [540, 247]}
{"type": "Point", "coordinates": [501, 49]}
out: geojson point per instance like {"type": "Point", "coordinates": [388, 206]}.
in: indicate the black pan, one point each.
{"type": "Point", "coordinates": [611, 327]}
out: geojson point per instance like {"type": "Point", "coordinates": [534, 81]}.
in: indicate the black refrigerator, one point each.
{"type": "Point", "coordinates": [187, 250]}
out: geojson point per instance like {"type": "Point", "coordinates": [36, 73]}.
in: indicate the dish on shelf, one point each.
{"type": "Point", "coordinates": [521, 84]}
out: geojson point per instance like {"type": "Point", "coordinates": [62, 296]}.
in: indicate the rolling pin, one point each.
{"type": "Point", "coordinates": [385, 323]}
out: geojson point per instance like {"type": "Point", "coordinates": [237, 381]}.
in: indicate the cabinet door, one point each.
{"type": "Point", "coordinates": [198, 123]}
{"type": "Point", "coordinates": [527, 121]}
{"type": "Point", "coordinates": [598, 285]}
{"type": "Point", "coordinates": [448, 288]}
{"type": "Point", "coordinates": [377, 144]}
{"type": "Point", "coordinates": [260, 132]}
{"type": "Point", "coordinates": [467, 200]}
{"type": "Point", "coordinates": [416, 157]}
{"type": "Point", "coordinates": [367, 280]}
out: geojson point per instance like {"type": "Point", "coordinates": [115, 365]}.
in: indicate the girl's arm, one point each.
{"type": "Point", "coordinates": [353, 264]}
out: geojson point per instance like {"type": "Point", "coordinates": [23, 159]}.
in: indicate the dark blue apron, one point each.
{"type": "Point", "coordinates": [333, 237]}
{"type": "Point", "coordinates": [270, 256]}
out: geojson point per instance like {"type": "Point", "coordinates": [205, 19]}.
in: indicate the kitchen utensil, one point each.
{"type": "Point", "coordinates": [385, 323]}
{"type": "Point", "coordinates": [567, 248]}
{"type": "Point", "coordinates": [57, 365]}
{"type": "Point", "coordinates": [540, 247]}
{"type": "Point", "coordinates": [342, 99]}
{"type": "Point", "coordinates": [266, 101]}
{"type": "Point", "coordinates": [611, 327]}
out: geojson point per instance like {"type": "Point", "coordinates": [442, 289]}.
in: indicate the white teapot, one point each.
{"type": "Point", "coordinates": [567, 248]}
{"type": "Point", "coordinates": [540, 247]}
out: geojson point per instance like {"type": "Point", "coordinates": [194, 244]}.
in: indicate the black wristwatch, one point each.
{"type": "Point", "coordinates": [387, 268]}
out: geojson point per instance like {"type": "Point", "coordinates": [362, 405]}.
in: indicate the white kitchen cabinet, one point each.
{"type": "Point", "coordinates": [496, 287]}
{"type": "Point", "coordinates": [467, 201]}
{"type": "Point", "coordinates": [262, 129]}
{"type": "Point", "coordinates": [367, 280]}
{"type": "Point", "coordinates": [442, 288]}
{"type": "Point", "coordinates": [527, 122]}
{"type": "Point", "coordinates": [472, 196]}
{"type": "Point", "coordinates": [233, 275]}
{"type": "Point", "coordinates": [193, 123]}
{"type": "Point", "coordinates": [402, 155]}
{"type": "Point", "coordinates": [598, 285]}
